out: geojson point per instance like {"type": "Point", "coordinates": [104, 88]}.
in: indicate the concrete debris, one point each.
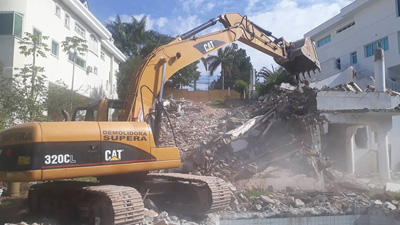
{"type": "Point", "coordinates": [378, 202]}
{"type": "Point", "coordinates": [393, 187]}
{"type": "Point", "coordinates": [300, 203]}
{"type": "Point", "coordinates": [390, 206]}
{"type": "Point", "coordinates": [243, 143]}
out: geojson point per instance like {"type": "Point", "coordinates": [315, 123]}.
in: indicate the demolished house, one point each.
{"type": "Point", "coordinates": [294, 152]}
{"type": "Point", "coordinates": [363, 122]}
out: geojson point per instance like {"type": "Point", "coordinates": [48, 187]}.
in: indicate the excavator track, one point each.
{"type": "Point", "coordinates": [212, 192]}
{"type": "Point", "coordinates": [78, 203]}
{"type": "Point", "coordinates": [126, 202]}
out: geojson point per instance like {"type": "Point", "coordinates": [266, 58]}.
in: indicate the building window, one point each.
{"type": "Point", "coordinates": [102, 56]}
{"type": "Point", "coordinates": [78, 60]}
{"type": "Point", "coordinates": [324, 41]}
{"type": "Point", "coordinates": [353, 57]}
{"type": "Point", "coordinates": [79, 29]}
{"type": "Point", "coordinates": [11, 24]}
{"type": "Point", "coordinates": [55, 48]}
{"type": "Point", "coordinates": [67, 20]}
{"type": "Point", "coordinates": [398, 39]}
{"type": "Point", "coordinates": [398, 7]}
{"type": "Point", "coordinates": [37, 33]}
{"type": "Point", "coordinates": [93, 44]}
{"type": "Point", "coordinates": [337, 64]}
{"type": "Point", "coordinates": [370, 49]}
{"type": "Point", "coordinates": [346, 27]}
{"type": "Point", "coordinates": [95, 70]}
{"type": "Point", "coordinates": [58, 11]}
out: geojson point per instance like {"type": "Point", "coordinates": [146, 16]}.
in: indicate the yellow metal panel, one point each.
{"type": "Point", "coordinates": [108, 169]}
{"type": "Point", "coordinates": [166, 153]}
{"type": "Point", "coordinates": [70, 131]}
{"type": "Point", "coordinates": [21, 134]}
{"type": "Point", "coordinates": [23, 176]}
{"type": "Point", "coordinates": [131, 133]}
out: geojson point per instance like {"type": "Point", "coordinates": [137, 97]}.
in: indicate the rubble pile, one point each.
{"type": "Point", "coordinates": [284, 124]}
{"type": "Point", "coordinates": [194, 124]}
{"type": "Point", "coordinates": [292, 203]}
{"type": "Point", "coordinates": [244, 142]}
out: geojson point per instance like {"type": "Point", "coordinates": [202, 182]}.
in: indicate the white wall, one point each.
{"type": "Point", "coordinates": [374, 21]}
{"type": "Point", "coordinates": [40, 14]}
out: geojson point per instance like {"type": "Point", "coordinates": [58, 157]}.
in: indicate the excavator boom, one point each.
{"type": "Point", "coordinates": [298, 57]}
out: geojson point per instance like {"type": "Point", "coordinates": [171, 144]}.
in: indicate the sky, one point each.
{"type": "Point", "coordinates": [289, 19]}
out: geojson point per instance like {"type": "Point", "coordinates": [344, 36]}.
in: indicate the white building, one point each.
{"type": "Point", "coordinates": [351, 37]}
{"type": "Point", "coordinates": [59, 19]}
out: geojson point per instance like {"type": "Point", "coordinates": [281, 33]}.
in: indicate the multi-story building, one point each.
{"type": "Point", "coordinates": [59, 19]}
{"type": "Point", "coordinates": [351, 37]}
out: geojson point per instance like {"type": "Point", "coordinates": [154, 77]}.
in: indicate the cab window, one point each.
{"type": "Point", "coordinates": [115, 110]}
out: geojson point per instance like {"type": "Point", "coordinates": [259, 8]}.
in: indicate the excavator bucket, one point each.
{"type": "Point", "coordinates": [302, 58]}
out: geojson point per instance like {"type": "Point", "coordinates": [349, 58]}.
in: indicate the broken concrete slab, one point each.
{"type": "Point", "coordinates": [393, 187]}
{"type": "Point", "coordinates": [239, 145]}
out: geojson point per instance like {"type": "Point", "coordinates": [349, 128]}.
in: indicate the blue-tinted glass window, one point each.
{"type": "Point", "coordinates": [324, 41]}
{"type": "Point", "coordinates": [370, 49]}
{"type": "Point", "coordinates": [338, 64]}
{"type": "Point", "coordinates": [353, 57]}
{"type": "Point", "coordinates": [11, 24]}
{"type": "Point", "coordinates": [78, 60]}
{"type": "Point", "coordinates": [18, 25]}
{"type": "Point", "coordinates": [398, 7]}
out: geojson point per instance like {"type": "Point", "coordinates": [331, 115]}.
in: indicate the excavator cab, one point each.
{"type": "Point", "coordinates": [100, 110]}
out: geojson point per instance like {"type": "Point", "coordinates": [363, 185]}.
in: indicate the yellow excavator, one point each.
{"type": "Point", "coordinates": [117, 141]}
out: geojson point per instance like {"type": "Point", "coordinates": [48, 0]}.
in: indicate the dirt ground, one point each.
{"type": "Point", "coordinates": [15, 209]}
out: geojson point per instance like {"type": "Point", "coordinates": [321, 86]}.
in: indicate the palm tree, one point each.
{"type": "Point", "coordinates": [205, 64]}
{"type": "Point", "coordinates": [266, 73]}
{"type": "Point", "coordinates": [137, 34]}
{"type": "Point", "coordinates": [276, 75]}
{"type": "Point", "coordinates": [118, 30]}
{"type": "Point", "coordinates": [224, 58]}
{"type": "Point", "coordinates": [129, 37]}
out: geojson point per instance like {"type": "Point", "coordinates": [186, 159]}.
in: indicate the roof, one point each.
{"type": "Point", "coordinates": [80, 9]}
{"type": "Point", "coordinates": [345, 13]}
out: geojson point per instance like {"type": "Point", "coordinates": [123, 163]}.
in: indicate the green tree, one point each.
{"type": "Point", "coordinates": [75, 46]}
{"type": "Point", "coordinates": [223, 59]}
{"type": "Point", "coordinates": [275, 76]}
{"type": "Point", "coordinates": [133, 39]}
{"type": "Point", "coordinates": [186, 76]}
{"type": "Point", "coordinates": [23, 95]}
{"type": "Point", "coordinates": [127, 72]}
{"type": "Point", "coordinates": [58, 95]}
{"type": "Point", "coordinates": [241, 86]}
{"type": "Point", "coordinates": [119, 34]}
{"type": "Point", "coordinates": [32, 45]}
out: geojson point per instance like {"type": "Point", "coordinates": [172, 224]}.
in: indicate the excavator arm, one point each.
{"type": "Point", "coordinates": [163, 62]}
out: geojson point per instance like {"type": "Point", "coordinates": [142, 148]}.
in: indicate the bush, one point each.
{"type": "Point", "coordinates": [240, 86]}
{"type": "Point", "coordinates": [60, 97]}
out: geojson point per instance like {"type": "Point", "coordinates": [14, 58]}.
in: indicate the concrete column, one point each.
{"type": "Point", "coordinates": [383, 154]}
{"type": "Point", "coordinates": [379, 70]}
{"type": "Point", "coordinates": [252, 85]}
{"type": "Point", "coordinates": [350, 147]}
{"type": "Point", "coordinates": [393, 137]}
{"type": "Point", "coordinates": [111, 76]}
{"type": "Point", "coordinates": [13, 189]}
